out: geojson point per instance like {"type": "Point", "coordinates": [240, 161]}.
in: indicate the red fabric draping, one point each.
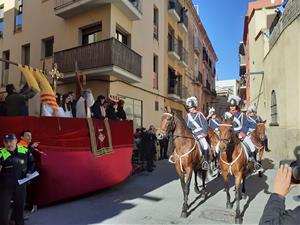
{"type": "Point", "coordinates": [70, 169]}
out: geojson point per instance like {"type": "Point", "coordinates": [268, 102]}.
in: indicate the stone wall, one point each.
{"type": "Point", "coordinates": [291, 12]}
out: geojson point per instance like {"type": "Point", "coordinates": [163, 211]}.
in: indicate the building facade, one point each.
{"type": "Point", "coordinates": [273, 72]}
{"type": "Point", "coordinates": [224, 89]}
{"type": "Point", "coordinates": [135, 49]}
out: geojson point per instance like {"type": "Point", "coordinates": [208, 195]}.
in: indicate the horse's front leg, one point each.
{"type": "Point", "coordinates": [238, 179]}
{"type": "Point", "coordinates": [225, 177]}
{"type": "Point", "coordinates": [196, 188]}
{"type": "Point", "coordinates": [186, 191]}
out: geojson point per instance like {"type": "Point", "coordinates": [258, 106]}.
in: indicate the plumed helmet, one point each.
{"type": "Point", "coordinates": [234, 100]}
{"type": "Point", "coordinates": [227, 115]}
{"type": "Point", "coordinates": [252, 109]}
{"type": "Point", "coordinates": [211, 111]}
{"type": "Point", "coordinates": [192, 102]}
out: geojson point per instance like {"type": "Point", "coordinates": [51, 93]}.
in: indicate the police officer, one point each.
{"type": "Point", "coordinates": [16, 163]}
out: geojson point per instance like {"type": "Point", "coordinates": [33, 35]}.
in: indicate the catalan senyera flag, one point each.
{"type": "Point", "coordinates": [47, 94]}
{"type": "Point", "coordinates": [31, 81]}
{"type": "Point", "coordinates": [39, 83]}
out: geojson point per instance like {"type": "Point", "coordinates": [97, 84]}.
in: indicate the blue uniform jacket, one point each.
{"type": "Point", "coordinates": [240, 123]}
{"type": "Point", "coordinates": [200, 120]}
{"type": "Point", "coordinates": [214, 124]}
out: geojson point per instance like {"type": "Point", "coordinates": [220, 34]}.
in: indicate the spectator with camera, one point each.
{"type": "Point", "coordinates": [275, 212]}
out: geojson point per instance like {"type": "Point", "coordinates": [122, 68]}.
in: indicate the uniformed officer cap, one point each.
{"type": "Point", "coordinates": [9, 137]}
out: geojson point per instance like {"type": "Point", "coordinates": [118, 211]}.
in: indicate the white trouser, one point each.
{"type": "Point", "coordinates": [249, 143]}
{"type": "Point", "coordinates": [218, 147]}
{"type": "Point", "coordinates": [203, 143]}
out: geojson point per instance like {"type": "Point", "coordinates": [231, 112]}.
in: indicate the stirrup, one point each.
{"type": "Point", "coordinates": [205, 165]}
{"type": "Point", "coordinates": [257, 166]}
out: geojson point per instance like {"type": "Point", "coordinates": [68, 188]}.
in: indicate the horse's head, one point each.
{"type": "Point", "coordinates": [226, 133]}
{"type": "Point", "coordinates": [167, 125]}
{"type": "Point", "coordinates": [261, 131]}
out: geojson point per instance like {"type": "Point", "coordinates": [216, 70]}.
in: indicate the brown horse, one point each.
{"type": "Point", "coordinates": [233, 161]}
{"type": "Point", "coordinates": [258, 137]}
{"type": "Point", "coordinates": [186, 155]}
{"type": "Point", "coordinates": [213, 139]}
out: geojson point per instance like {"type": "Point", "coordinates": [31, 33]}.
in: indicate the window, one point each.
{"type": "Point", "coordinates": [179, 86]}
{"type": "Point", "coordinates": [171, 40]}
{"type": "Point", "coordinates": [274, 118]}
{"type": "Point", "coordinates": [134, 111]}
{"type": "Point", "coordinates": [180, 48]}
{"type": "Point", "coordinates": [19, 16]}
{"type": "Point", "coordinates": [155, 72]}
{"type": "Point", "coordinates": [25, 59]}
{"type": "Point", "coordinates": [122, 37]}
{"type": "Point", "coordinates": [172, 82]}
{"type": "Point", "coordinates": [5, 69]}
{"type": "Point", "coordinates": [156, 105]}
{"type": "Point", "coordinates": [47, 47]}
{"type": "Point", "coordinates": [155, 23]}
{"type": "Point", "coordinates": [91, 34]}
{"type": "Point", "coordinates": [1, 20]}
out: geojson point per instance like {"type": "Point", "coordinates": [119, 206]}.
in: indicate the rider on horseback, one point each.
{"type": "Point", "coordinates": [241, 127]}
{"type": "Point", "coordinates": [196, 121]}
{"type": "Point", "coordinates": [213, 121]}
{"type": "Point", "coordinates": [253, 118]}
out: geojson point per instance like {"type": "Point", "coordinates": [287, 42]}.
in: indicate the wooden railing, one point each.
{"type": "Point", "coordinates": [109, 52]}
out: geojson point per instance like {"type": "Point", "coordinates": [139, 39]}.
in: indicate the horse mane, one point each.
{"type": "Point", "coordinates": [180, 118]}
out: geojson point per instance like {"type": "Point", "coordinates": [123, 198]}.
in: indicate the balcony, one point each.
{"type": "Point", "coordinates": [183, 54]}
{"type": "Point", "coordinates": [174, 92]}
{"type": "Point", "coordinates": [69, 8]}
{"type": "Point", "coordinates": [198, 78]}
{"type": "Point", "coordinates": [197, 45]}
{"type": "Point", "coordinates": [173, 48]}
{"type": "Point", "coordinates": [104, 58]}
{"type": "Point", "coordinates": [185, 93]}
{"type": "Point", "coordinates": [184, 22]}
{"type": "Point", "coordinates": [174, 10]}
{"type": "Point", "coordinates": [207, 87]}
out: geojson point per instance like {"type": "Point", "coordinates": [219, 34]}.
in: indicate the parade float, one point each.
{"type": "Point", "coordinates": [78, 156]}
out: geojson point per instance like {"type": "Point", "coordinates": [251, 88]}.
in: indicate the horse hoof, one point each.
{"type": "Point", "coordinates": [229, 205]}
{"type": "Point", "coordinates": [238, 220]}
{"type": "Point", "coordinates": [259, 174]}
{"type": "Point", "coordinates": [184, 214]}
{"type": "Point", "coordinates": [197, 191]}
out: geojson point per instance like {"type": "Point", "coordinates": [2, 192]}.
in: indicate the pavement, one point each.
{"type": "Point", "coordinates": [156, 198]}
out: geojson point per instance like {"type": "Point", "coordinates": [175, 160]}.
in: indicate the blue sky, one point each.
{"type": "Point", "coordinates": [224, 23]}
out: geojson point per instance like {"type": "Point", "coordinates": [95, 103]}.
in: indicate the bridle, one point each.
{"type": "Point", "coordinates": [171, 125]}
{"type": "Point", "coordinates": [225, 140]}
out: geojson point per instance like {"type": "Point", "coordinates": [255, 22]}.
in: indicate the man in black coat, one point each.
{"type": "Point", "coordinates": [99, 108]}
{"type": "Point", "coordinates": [275, 212]}
{"type": "Point", "coordinates": [16, 102]}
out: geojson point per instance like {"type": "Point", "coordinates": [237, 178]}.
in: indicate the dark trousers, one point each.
{"type": "Point", "coordinates": [163, 150]}
{"type": "Point", "coordinates": [18, 195]}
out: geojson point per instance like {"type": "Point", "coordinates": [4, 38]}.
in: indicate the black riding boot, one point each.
{"type": "Point", "coordinates": [205, 164]}
{"type": "Point", "coordinates": [267, 145]}
{"type": "Point", "coordinates": [257, 165]}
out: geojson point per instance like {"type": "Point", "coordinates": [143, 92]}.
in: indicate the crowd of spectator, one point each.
{"type": "Point", "coordinates": [145, 148]}
{"type": "Point", "coordinates": [15, 103]}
